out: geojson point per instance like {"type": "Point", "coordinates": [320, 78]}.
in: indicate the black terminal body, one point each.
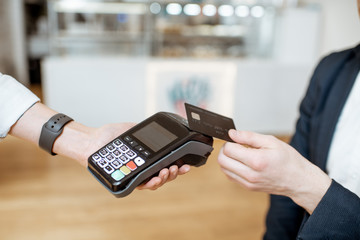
{"type": "Point", "coordinates": [161, 140]}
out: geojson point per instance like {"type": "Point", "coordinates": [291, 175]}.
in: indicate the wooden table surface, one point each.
{"type": "Point", "coordinates": [44, 197]}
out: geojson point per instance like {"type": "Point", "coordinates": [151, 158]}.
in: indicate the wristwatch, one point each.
{"type": "Point", "coordinates": [51, 130]}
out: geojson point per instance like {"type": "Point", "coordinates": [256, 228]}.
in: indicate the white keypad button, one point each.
{"type": "Point", "coordinates": [131, 154]}
{"type": "Point", "coordinates": [111, 147]}
{"type": "Point", "coordinates": [108, 169]}
{"type": "Point", "coordinates": [117, 143]}
{"type": "Point", "coordinates": [139, 161]}
{"type": "Point", "coordinates": [116, 164]}
{"type": "Point", "coordinates": [124, 148]}
{"type": "Point", "coordinates": [102, 163]}
{"type": "Point", "coordinates": [103, 152]}
{"type": "Point", "coordinates": [96, 157]}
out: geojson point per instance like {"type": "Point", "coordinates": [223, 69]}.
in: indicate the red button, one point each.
{"type": "Point", "coordinates": [131, 165]}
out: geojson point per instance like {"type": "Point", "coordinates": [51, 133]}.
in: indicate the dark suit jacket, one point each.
{"type": "Point", "coordinates": [338, 214]}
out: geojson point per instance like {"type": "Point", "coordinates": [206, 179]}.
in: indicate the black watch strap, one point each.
{"type": "Point", "coordinates": [51, 130]}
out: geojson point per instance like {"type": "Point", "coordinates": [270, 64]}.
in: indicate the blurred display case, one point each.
{"type": "Point", "coordinates": [213, 28]}
{"type": "Point", "coordinates": [209, 28]}
{"type": "Point", "coordinates": [98, 27]}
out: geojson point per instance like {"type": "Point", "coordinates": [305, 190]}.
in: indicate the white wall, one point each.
{"type": "Point", "coordinates": [12, 40]}
{"type": "Point", "coordinates": [96, 91]}
{"type": "Point", "coordinates": [341, 24]}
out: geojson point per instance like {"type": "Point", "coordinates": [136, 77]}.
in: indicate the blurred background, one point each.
{"type": "Point", "coordinates": [160, 53]}
{"type": "Point", "coordinates": [112, 61]}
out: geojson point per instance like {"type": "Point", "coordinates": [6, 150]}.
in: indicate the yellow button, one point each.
{"type": "Point", "coordinates": [125, 170]}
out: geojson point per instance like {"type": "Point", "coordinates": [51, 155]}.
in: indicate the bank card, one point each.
{"type": "Point", "coordinates": [209, 123]}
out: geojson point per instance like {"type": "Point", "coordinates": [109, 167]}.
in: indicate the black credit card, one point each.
{"type": "Point", "coordinates": [209, 123]}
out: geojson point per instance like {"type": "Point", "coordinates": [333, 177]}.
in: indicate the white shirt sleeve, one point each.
{"type": "Point", "coordinates": [15, 99]}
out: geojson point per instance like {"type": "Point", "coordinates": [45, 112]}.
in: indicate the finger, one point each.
{"type": "Point", "coordinates": [156, 182]}
{"type": "Point", "coordinates": [251, 157]}
{"type": "Point", "coordinates": [184, 169]}
{"type": "Point", "coordinates": [233, 177]}
{"type": "Point", "coordinates": [238, 179]}
{"type": "Point", "coordinates": [252, 139]}
{"type": "Point", "coordinates": [174, 170]}
{"type": "Point", "coordinates": [153, 184]}
{"type": "Point", "coordinates": [164, 175]}
{"type": "Point", "coordinates": [234, 166]}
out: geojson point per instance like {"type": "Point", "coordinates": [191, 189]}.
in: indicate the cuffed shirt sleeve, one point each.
{"type": "Point", "coordinates": [15, 100]}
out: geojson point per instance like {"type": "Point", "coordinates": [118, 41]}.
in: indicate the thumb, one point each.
{"type": "Point", "coordinates": [251, 139]}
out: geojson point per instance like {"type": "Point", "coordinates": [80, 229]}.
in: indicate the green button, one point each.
{"type": "Point", "coordinates": [117, 175]}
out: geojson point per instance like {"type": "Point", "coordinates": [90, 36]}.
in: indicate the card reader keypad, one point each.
{"type": "Point", "coordinates": [118, 160]}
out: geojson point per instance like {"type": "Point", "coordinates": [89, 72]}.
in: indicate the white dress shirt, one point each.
{"type": "Point", "coordinates": [343, 163]}
{"type": "Point", "coordinates": [15, 99]}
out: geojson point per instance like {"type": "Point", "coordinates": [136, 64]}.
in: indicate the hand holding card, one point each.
{"type": "Point", "coordinates": [209, 123]}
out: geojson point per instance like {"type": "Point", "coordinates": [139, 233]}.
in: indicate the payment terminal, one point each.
{"type": "Point", "coordinates": [160, 141]}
